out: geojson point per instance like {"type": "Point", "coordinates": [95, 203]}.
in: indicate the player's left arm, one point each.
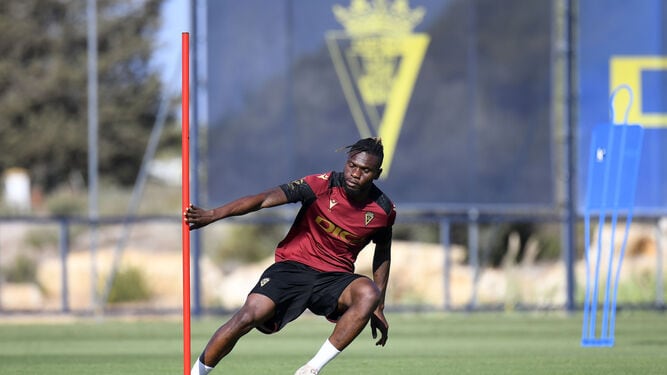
{"type": "Point", "coordinates": [381, 265]}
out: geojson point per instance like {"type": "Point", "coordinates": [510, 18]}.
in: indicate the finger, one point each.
{"type": "Point", "coordinates": [383, 339]}
{"type": "Point", "coordinates": [374, 326]}
{"type": "Point", "coordinates": [384, 329]}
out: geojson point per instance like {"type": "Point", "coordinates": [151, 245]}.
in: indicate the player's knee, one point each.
{"type": "Point", "coordinates": [255, 311]}
{"type": "Point", "coordinates": [368, 293]}
{"type": "Point", "coordinates": [247, 319]}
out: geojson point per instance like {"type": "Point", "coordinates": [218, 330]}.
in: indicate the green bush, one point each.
{"type": "Point", "coordinates": [248, 243]}
{"type": "Point", "coordinates": [23, 270]}
{"type": "Point", "coordinates": [66, 202]}
{"type": "Point", "coordinates": [420, 232]}
{"type": "Point", "coordinates": [129, 285]}
{"type": "Point", "coordinates": [42, 237]}
{"type": "Point", "coordinates": [640, 288]}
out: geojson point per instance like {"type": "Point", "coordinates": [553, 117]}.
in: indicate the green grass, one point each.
{"type": "Point", "coordinates": [480, 343]}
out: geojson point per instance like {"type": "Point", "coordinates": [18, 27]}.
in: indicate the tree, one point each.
{"type": "Point", "coordinates": [43, 87]}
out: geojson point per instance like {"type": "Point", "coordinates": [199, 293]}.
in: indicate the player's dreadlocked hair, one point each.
{"type": "Point", "coordinates": [371, 145]}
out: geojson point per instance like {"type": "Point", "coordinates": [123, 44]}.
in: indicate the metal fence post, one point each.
{"type": "Point", "coordinates": [445, 240]}
{"type": "Point", "coordinates": [473, 253]}
{"type": "Point", "coordinates": [64, 250]}
{"type": "Point", "coordinates": [661, 228]}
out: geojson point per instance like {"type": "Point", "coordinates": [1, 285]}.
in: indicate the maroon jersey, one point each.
{"type": "Point", "coordinates": [329, 231]}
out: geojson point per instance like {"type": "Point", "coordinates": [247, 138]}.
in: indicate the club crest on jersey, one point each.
{"type": "Point", "coordinates": [264, 281]}
{"type": "Point", "coordinates": [332, 203]}
{"type": "Point", "coordinates": [368, 217]}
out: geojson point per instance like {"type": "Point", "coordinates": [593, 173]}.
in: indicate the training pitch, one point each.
{"type": "Point", "coordinates": [449, 343]}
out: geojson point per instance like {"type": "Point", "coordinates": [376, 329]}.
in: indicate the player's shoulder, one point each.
{"type": "Point", "coordinates": [383, 200]}
{"type": "Point", "coordinates": [320, 182]}
{"type": "Point", "coordinates": [323, 177]}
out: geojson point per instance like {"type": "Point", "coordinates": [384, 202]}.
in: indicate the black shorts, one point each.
{"type": "Point", "coordinates": [295, 287]}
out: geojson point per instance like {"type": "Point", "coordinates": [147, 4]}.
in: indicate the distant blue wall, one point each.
{"type": "Point", "coordinates": [634, 33]}
{"type": "Point", "coordinates": [477, 129]}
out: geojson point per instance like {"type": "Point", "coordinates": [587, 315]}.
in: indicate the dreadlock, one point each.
{"type": "Point", "coordinates": [371, 145]}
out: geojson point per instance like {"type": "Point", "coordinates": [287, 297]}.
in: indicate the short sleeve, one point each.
{"type": "Point", "coordinates": [297, 191]}
{"type": "Point", "coordinates": [383, 235]}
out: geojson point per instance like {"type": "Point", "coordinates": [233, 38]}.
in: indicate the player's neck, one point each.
{"type": "Point", "coordinates": [359, 198]}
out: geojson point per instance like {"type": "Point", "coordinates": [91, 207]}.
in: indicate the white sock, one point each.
{"type": "Point", "coordinates": [200, 369]}
{"type": "Point", "coordinates": [327, 353]}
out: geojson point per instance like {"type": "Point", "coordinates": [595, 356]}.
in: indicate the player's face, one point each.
{"type": "Point", "coordinates": [360, 171]}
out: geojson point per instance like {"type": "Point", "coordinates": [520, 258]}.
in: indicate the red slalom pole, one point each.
{"type": "Point", "coordinates": [185, 190]}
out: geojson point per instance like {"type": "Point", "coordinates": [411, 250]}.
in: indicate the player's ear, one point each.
{"type": "Point", "coordinates": [377, 174]}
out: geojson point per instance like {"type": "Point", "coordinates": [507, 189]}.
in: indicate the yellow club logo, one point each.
{"type": "Point", "coordinates": [377, 59]}
{"type": "Point", "coordinates": [629, 70]}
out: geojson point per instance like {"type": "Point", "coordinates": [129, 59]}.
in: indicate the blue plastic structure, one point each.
{"type": "Point", "coordinates": [612, 178]}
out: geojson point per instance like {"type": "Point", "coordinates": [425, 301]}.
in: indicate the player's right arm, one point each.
{"type": "Point", "coordinates": [197, 217]}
